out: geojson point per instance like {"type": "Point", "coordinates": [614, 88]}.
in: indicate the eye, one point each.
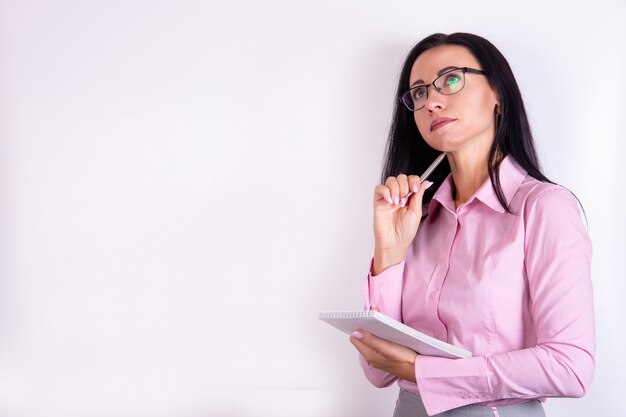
{"type": "Point", "coordinates": [452, 79]}
{"type": "Point", "coordinates": [418, 92]}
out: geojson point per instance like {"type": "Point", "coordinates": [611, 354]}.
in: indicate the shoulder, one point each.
{"type": "Point", "coordinates": [534, 194]}
{"type": "Point", "coordinates": [549, 208]}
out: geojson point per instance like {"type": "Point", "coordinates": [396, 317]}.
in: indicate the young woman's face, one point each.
{"type": "Point", "coordinates": [466, 119]}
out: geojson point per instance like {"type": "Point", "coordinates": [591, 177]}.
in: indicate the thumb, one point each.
{"type": "Point", "coordinates": [415, 204]}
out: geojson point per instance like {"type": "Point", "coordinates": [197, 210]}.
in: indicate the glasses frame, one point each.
{"type": "Point", "coordinates": [464, 69]}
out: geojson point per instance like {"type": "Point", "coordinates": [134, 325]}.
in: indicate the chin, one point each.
{"type": "Point", "coordinates": [443, 145]}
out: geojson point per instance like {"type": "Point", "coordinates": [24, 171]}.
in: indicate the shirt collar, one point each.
{"type": "Point", "coordinates": [511, 177]}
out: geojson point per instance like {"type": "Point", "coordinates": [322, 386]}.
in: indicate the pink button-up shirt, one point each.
{"type": "Point", "coordinates": [514, 289]}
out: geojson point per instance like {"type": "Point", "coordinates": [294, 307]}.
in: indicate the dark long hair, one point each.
{"type": "Point", "coordinates": [407, 151]}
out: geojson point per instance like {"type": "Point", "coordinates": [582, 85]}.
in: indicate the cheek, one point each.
{"type": "Point", "coordinates": [485, 104]}
{"type": "Point", "coordinates": [483, 112]}
{"type": "Point", "coordinates": [422, 123]}
{"type": "Point", "coordinates": [423, 126]}
{"type": "Point", "coordinates": [478, 111]}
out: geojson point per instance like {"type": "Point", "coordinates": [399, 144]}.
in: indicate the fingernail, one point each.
{"type": "Point", "coordinates": [403, 202]}
{"type": "Point", "coordinates": [396, 200]}
{"type": "Point", "coordinates": [414, 188]}
{"type": "Point", "coordinates": [357, 334]}
{"type": "Point", "coordinates": [390, 200]}
{"type": "Point", "coordinates": [428, 186]}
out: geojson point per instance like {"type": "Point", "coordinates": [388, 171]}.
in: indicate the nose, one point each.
{"type": "Point", "coordinates": [435, 100]}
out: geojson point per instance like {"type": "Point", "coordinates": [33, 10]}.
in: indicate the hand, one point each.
{"type": "Point", "coordinates": [396, 218]}
{"type": "Point", "coordinates": [385, 355]}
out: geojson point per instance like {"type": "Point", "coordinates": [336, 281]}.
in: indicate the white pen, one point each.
{"type": "Point", "coordinates": [429, 170]}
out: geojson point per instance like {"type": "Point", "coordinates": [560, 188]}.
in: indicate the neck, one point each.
{"type": "Point", "coordinates": [469, 172]}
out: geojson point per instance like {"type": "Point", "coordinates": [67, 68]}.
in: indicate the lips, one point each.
{"type": "Point", "coordinates": [440, 122]}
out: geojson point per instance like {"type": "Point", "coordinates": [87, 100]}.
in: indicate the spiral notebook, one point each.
{"type": "Point", "coordinates": [387, 328]}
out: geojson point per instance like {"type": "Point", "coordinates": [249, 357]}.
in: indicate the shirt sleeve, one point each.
{"type": "Point", "coordinates": [558, 268]}
{"type": "Point", "coordinates": [384, 291]}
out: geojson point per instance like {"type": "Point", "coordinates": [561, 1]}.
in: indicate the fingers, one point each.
{"type": "Point", "coordinates": [403, 188]}
{"type": "Point", "coordinates": [382, 192]}
{"type": "Point", "coordinates": [415, 202]}
{"type": "Point", "coordinates": [397, 190]}
{"type": "Point", "coordinates": [414, 183]}
{"type": "Point", "coordinates": [368, 339]}
{"type": "Point", "coordinates": [394, 189]}
{"type": "Point", "coordinates": [371, 347]}
{"type": "Point", "coordinates": [385, 355]}
{"type": "Point", "coordinates": [370, 354]}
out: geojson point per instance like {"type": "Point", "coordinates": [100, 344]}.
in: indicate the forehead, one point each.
{"type": "Point", "coordinates": [429, 62]}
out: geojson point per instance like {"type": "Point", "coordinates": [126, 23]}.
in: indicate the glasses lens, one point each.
{"type": "Point", "coordinates": [451, 82]}
{"type": "Point", "coordinates": [415, 98]}
{"type": "Point", "coordinates": [408, 101]}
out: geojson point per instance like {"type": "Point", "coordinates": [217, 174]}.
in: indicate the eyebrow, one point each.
{"type": "Point", "coordinates": [441, 71]}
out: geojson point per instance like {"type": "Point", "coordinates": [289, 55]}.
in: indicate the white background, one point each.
{"type": "Point", "coordinates": [184, 185]}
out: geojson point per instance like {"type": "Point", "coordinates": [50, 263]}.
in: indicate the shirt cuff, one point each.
{"type": "Point", "coordinates": [385, 290]}
{"type": "Point", "coordinates": [445, 383]}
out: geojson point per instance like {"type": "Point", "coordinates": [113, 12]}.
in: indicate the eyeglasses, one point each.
{"type": "Point", "coordinates": [450, 82]}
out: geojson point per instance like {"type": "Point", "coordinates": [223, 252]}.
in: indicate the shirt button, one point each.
{"type": "Point", "coordinates": [433, 294]}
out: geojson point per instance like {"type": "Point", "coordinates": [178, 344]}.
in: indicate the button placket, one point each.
{"type": "Point", "coordinates": [441, 271]}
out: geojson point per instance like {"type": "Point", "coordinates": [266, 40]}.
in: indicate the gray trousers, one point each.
{"type": "Point", "coordinates": [410, 405]}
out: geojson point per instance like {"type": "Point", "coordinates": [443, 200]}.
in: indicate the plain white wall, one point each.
{"type": "Point", "coordinates": [185, 185]}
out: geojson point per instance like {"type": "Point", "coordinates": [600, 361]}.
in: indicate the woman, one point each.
{"type": "Point", "coordinates": [497, 261]}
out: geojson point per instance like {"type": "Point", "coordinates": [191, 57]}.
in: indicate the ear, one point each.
{"type": "Point", "coordinates": [497, 108]}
